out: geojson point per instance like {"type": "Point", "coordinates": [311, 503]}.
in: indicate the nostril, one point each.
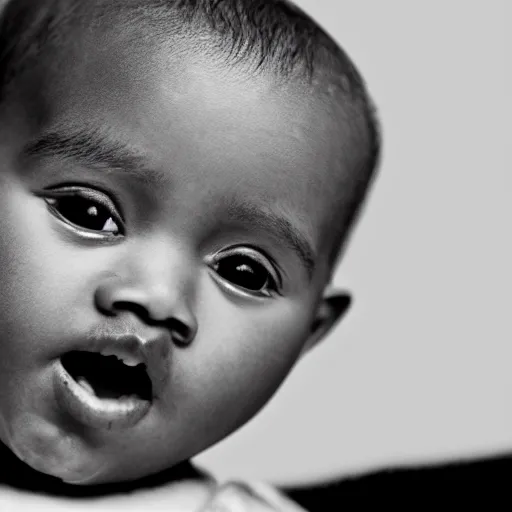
{"type": "Point", "coordinates": [181, 333]}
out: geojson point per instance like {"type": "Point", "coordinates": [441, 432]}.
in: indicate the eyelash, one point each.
{"type": "Point", "coordinates": [254, 258]}
{"type": "Point", "coordinates": [95, 198]}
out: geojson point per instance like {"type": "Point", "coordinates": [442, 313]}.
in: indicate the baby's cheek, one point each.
{"type": "Point", "coordinates": [284, 331]}
{"type": "Point", "coordinates": [238, 362]}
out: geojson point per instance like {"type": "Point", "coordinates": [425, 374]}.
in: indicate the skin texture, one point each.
{"type": "Point", "coordinates": [208, 141]}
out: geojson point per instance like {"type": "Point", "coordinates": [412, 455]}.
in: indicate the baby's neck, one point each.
{"type": "Point", "coordinates": [18, 476]}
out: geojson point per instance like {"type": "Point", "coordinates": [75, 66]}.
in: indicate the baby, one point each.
{"type": "Point", "coordinates": [178, 179]}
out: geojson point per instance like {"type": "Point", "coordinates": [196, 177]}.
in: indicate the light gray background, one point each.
{"type": "Point", "coordinates": [420, 368]}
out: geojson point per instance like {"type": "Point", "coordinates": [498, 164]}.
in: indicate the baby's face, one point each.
{"type": "Point", "coordinates": [173, 216]}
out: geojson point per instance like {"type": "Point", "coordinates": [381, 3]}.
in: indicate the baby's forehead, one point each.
{"type": "Point", "coordinates": [206, 107]}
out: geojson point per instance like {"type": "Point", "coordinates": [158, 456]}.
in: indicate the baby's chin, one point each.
{"type": "Point", "coordinates": [48, 449]}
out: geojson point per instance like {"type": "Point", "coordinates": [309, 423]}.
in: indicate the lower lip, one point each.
{"type": "Point", "coordinates": [88, 409]}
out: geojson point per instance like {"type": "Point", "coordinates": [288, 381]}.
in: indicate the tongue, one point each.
{"type": "Point", "coordinates": [85, 384]}
{"type": "Point", "coordinates": [100, 389]}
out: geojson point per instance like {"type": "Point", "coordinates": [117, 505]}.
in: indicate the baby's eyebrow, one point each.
{"type": "Point", "coordinates": [267, 220]}
{"type": "Point", "coordinates": [95, 150]}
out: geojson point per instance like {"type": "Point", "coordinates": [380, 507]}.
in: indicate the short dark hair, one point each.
{"type": "Point", "coordinates": [260, 35]}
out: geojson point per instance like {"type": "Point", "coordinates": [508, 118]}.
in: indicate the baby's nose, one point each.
{"type": "Point", "coordinates": [154, 285]}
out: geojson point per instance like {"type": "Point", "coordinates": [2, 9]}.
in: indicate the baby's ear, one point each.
{"type": "Point", "coordinates": [331, 309]}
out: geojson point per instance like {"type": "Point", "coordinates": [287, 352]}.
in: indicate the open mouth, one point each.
{"type": "Point", "coordinates": [107, 376]}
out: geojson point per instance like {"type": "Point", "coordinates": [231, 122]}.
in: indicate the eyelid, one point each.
{"type": "Point", "coordinates": [94, 194]}
{"type": "Point", "coordinates": [255, 254]}
{"type": "Point", "coordinates": [100, 196]}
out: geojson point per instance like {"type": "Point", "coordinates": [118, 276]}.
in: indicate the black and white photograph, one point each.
{"type": "Point", "coordinates": [254, 255]}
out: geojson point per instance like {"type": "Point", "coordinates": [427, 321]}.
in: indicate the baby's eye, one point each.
{"type": "Point", "coordinates": [85, 208]}
{"type": "Point", "coordinates": [246, 272]}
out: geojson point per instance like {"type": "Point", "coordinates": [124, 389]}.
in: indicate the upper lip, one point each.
{"type": "Point", "coordinates": [153, 351]}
